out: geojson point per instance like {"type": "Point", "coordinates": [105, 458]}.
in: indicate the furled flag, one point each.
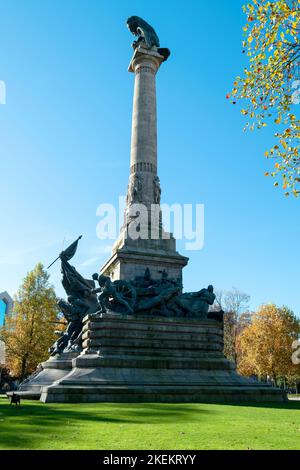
{"type": "Point", "coordinates": [70, 251]}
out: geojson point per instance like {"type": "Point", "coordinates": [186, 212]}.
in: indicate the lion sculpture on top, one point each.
{"type": "Point", "coordinates": [146, 34]}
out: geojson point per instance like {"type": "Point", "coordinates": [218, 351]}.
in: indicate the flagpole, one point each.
{"type": "Point", "coordinates": [53, 262]}
{"type": "Point", "coordinates": [79, 238]}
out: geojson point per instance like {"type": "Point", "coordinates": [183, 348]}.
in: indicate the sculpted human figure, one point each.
{"type": "Point", "coordinates": [156, 190]}
{"type": "Point", "coordinates": [143, 281]}
{"type": "Point", "coordinates": [74, 311]}
{"type": "Point", "coordinates": [138, 188]}
{"type": "Point", "coordinates": [166, 282]}
{"type": "Point", "coordinates": [81, 301]}
{"type": "Point", "coordinates": [154, 295]}
{"type": "Point", "coordinates": [196, 303]}
{"type": "Point", "coordinates": [108, 291]}
{"type": "Point", "coordinates": [135, 189]}
{"type": "Point", "coordinates": [158, 301]}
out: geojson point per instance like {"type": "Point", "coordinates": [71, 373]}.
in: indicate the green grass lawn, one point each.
{"type": "Point", "coordinates": [149, 426]}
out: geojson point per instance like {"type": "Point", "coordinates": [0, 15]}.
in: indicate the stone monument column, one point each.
{"type": "Point", "coordinates": [131, 256]}
{"type": "Point", "coordinates": [144, 185]}
{"type": "Point", "coordinates": [143, 158]}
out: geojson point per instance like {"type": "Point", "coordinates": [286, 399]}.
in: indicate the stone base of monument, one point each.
{"type": "Point", "coordinates": [140, 359]}
{"type": "Point", "coordinates": [129, 262]}
{"type": "Point", "coordinates": [50, 371]}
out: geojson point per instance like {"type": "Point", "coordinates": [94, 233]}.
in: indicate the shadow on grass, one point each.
{"type": "Point", "coordinates": [33, 422]}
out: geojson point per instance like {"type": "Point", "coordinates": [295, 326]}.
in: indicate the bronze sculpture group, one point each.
{"type": "Point", "coordinates": [143, 296]}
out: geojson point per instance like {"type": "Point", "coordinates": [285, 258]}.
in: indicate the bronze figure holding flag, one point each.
{"type": "Point", "coordinates": [81, 302]}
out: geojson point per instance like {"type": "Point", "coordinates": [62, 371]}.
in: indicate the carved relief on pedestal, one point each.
{"type": "Point", "coordinates": [135, 190]}
{"type": "Point", "coordinates": [156, 190]}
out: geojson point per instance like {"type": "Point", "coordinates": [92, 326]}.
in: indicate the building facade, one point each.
{"type": "Point", "coordinates": [6, 305]}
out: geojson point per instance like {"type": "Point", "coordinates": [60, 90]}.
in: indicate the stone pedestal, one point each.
{"type": "Point", "coordinates": [129, 261]}
{"type": "Point", "coordinates": [134, 359]}
{"type": "Point", "coordinates": [52, 370]}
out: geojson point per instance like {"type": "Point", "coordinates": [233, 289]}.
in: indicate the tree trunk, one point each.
{"type": "Point", "coordinates": [23, 368]}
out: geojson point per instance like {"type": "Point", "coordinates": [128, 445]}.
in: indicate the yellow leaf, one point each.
{"type": "Point", "coordinates": [284, 144]}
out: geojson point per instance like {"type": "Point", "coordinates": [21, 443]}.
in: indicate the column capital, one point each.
{"type": "Point", "coordinates": [142, 55]}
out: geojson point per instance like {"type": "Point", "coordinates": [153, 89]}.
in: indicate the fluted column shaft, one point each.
{"type": "Point", "coordinates": [144, 118]}
{"type": "Point", "coordinates": [143, 158]}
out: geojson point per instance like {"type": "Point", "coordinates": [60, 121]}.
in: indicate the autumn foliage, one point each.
{"type": "Point", "coordinates": [266, 345]}
{"type": "Point", "coordinates": [29, 330]}
{"type": "Point", "coordinates": [270, 84]}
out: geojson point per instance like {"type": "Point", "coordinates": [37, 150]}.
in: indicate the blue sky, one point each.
{"type": "Point", "coordinates": [65, 140]}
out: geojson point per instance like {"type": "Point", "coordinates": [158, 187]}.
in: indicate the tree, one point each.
{"type": "Point", "coordinates": [235, 305]}
{"type": "Point", "coordinates": [270, 84]}
{"type": "Point", "coordinates": [29, 330]}
{"type": "Point", "coordinates": [266, 344]}
{"type": "Point", "coordinates": [293, 379]}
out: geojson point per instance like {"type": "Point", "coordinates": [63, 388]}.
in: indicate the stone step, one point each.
{"type": "Point", "coordinates": [134, 325]}
{"type": "Point", "coordinates": [151, 353]}
{"type": "Point", "coordinates": [109, 386]}
{"type": "Point", "coordinates": [167, 394]}
{"type": "Point", "coordinates": [27, 395]}
{"type": "Point", "coordinates": [145, 362]}
{"type": "Point", "coordinates": [87, 373]}
{"type": "Point", "coordinates": [150, 335]}
{"type": "Point", "coordinates": [128, 343]}
{"type": "Point", "coordinates": [156, 380]}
